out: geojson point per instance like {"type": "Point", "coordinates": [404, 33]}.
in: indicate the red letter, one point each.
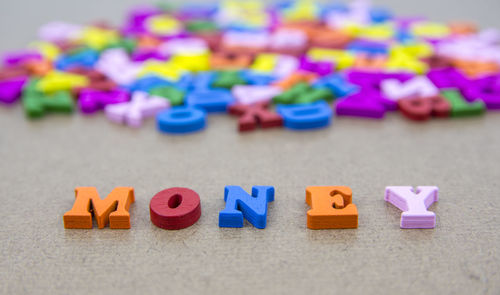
{"type": "Point", "coordinates": [175, 208]}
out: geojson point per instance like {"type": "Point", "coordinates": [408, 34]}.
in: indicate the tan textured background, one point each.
{"type": "Point", "coordinates": [42, 161]}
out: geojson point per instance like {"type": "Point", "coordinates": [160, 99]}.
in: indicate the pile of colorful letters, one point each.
{"type": "Point", "coordinates": [292, 64]}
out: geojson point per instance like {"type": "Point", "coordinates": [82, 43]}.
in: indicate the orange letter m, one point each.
{"type": "Point", "coordinates": [112, 210]}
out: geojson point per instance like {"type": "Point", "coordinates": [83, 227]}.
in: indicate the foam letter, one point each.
{"type": "Point", "coordinates": [331, 207]}
{"type": "Point", "coordinates": [91, 100]}
{"type": "Point", "coordinates": [419, 86]}
{"type": "Point", "coordinates": [460, 107]}
{"type": "Point", "coordinates": [133, 112]}
{"type": "Point", "coordinates": [181, 120]}
{"type": "Point", "coordinates": [175, 208]}
{"type": "Point", "coordinates": [250, 94]}
{"type": "Point", "coordinates": [413, 204]}
{"type": "Point", "coordinates": [11, 89]}
{"type": "Point", "coordinates": [362, 104]}
{"type": "Point", "coordinates": [239, 204]}
{"type": "Point", "coordinates": [422, 108]}
{"type": "Point", "coordinates": [307, 116]}
{"type": "Point", "coordinates": [210, 100]}
{"type": "Point", "coordinates": [251, 115]}
{"type": "Point", "coordinates": [112, 210]}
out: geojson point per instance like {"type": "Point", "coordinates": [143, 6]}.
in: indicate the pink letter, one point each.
{"type": "Point", "coordinates": [414, 205]}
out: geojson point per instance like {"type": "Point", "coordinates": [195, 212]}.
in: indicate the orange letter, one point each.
{"type": "Point", "coordinates": [331, 207]}
{"type": "Point", "coordinates": [113, 209]}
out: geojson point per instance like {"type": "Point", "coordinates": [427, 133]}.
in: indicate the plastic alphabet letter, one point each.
{"type": "Point", "coordinates": [252, 115]}
{"type": "Point", "coordinates": [422, 108]}
{"type": "Point", "coordinates": [132, 113]}
{"type": "Point", "coordinates": [239, 204]}
{"type": "Point", "coordinates": [338, 85]}
{"type": "Point", "coordinates": [175, 208]}
{"type": "Point", "coordinates": [414, 204]}
{"type": "Point", "coordinates": [307, 116]}
{"type": "Point", "coordinates": [210, 100]}
{"type": "Point", "coordinates": [331, 207]}
{"type": "Point", "coordinates": [250, 94]}
{"type": "Point", "coordinates": [112, 210]}
{"type": "Point", "coordinates": [460, 107]}
{"type": "Point", "coordinates": [37, 104]}
{"type": "Point", "coordinates": [91, 100]}
{"type": "Point", "coordinates": [417, 87]}
{"type": "Point", "coordinates": [361, 104]}
{"type": "Point", "coordinates": [11, 89]}
{"type": "Point", "coordinates": [181, 120]}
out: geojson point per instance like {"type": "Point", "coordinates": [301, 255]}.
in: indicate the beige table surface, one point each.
{"type": "Point", "coordinates": [43, 161]}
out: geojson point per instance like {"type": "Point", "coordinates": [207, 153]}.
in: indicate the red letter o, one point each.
{"type": "Point", "coordinates": [175, 208]}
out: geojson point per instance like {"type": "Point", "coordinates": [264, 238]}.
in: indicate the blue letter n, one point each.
{"type": "Point", "coordinates": [239, 204]}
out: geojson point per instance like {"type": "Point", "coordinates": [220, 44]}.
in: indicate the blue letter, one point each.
{"type": "Point", "coordinates": [239, 204]}
{"type": "Point", "coordinates": [306, 116]}
{"type": "Point", "coordinates": [210, 100]}
{"type": "Point", "coordinates": [180, 120]}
